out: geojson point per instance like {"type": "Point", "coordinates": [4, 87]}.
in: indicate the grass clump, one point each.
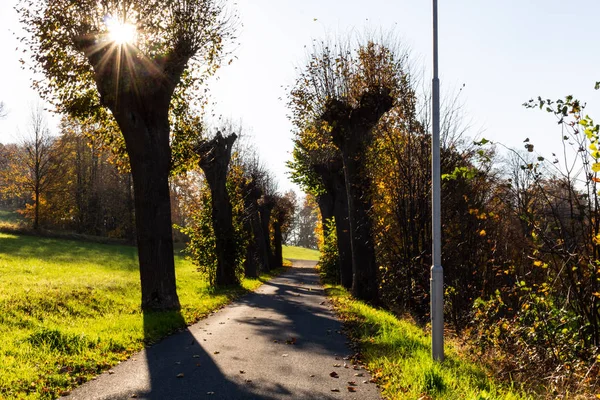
{"type": "Point", "coordinates": [398, 353]}
{"type": "Point", "coordinates": [70, 310]}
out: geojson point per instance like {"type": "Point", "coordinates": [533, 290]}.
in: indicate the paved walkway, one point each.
{"type": "Point", "coordinates": [281, 342]}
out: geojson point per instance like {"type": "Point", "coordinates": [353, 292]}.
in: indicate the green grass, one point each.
{"type": "Point", "coordinates": [70, 309]}
{"type": "Point", "coordinates": [398, 353]}
{"type": "Point", "coordinates": [300, 253]}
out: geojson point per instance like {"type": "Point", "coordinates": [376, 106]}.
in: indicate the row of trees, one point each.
{"type": "Point", "coordinates": [228, 207]}
{"type": "Point", "coordinates": [519, 233]}
{"type": "Point", "coordinates": [143, 99]}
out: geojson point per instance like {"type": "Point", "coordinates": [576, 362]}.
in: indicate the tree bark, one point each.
{"type": "Point", "coordinates": [342, 227]}
{"type": "Point", "coordinates": [215, 156]}
{"type": "Point", "coordinates": [255, 252]}
{"type": "Point", "coordinates": [277, 244]}
{"type": "Point", "coordinates": [352, 128]}
{"type": "Point", "coordinates": [265, 208]}
{"type": "Point", "coordinates": [147, 141]}
{"type": "Point", "coordinates": [332, 176]}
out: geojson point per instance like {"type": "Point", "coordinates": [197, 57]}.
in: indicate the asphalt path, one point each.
{"type": "Point", "coordinates": [281, 342]}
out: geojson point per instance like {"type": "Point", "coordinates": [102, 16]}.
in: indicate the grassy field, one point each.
{"type": "Point", "coordinates": [399, 355]}
{"type": "Point", "coordinates": [300, 253]}
{"type": "Point", "coordinates": [70, 309]}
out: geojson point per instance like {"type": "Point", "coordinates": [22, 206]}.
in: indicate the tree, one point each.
{"type": "Point", "coordinates": [215, 155]}
{"type": "Point", "coordinates": [172, 46]}
{"type": "Point", "coordinates": [290, 222]}
{"type": "Point", "coordinates": [306, 224]}
{"type": "Point", "coordinates": [283, 214]}
{"type": "Point", "coordinates": [38, 162]}
{"type": "Point", "coordinates": [345, 93]}
{"type": "Point", "coordinates": [317, 166]}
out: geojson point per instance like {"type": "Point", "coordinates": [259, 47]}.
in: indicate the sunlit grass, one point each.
{"type": "Point", "coordinates": [300, 253]}
{"type": "Point", "coordinates": [398, 353]}
{"type": "Point", "coordinates": [69, 310]}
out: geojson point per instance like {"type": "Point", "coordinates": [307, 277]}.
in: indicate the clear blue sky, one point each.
{"type": "Point", "coordinates": [504, 52]}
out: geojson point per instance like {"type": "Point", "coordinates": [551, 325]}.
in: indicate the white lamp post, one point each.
{"type": "Point", "coordinates": [437, 272]}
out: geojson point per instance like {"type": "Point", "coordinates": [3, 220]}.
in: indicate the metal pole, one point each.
{"type": "Point", "coordinates": [437, 272]}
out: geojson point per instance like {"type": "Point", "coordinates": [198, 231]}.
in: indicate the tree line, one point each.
{"type": "Point", "coordinates": [520, 231]}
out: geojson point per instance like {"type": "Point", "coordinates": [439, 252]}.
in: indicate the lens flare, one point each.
{"type": "Point", "coordinates": [120, 32]}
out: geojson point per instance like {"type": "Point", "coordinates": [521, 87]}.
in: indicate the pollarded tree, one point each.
{"type": "Point", "coordinates": [317, 166]}
{"type": "Point", "coordinates": [130, 57]}
{"type": "Point", "coordinates": [215, 155]}
{"type": "Point", "coordinates": [347, 92]}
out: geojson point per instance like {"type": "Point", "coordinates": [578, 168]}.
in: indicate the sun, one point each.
{"type": "Point", "coordinates": [120, 32]}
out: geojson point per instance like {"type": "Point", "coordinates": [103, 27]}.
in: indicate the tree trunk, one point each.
{"type": "Point", "coordinates": [36, 210]}
{"type": "Point", "coordinates": [326, 204]}
{"type": "Point", "coordinates": [265, 218]}
{"type": "Point", "coordinates": [364, 265]}
{"type": "Point", "coordinates": [215, 155]}
{"type": "Point", "coordinates": [342, 226]}
{"type": "Point", "coordinates": [256, 254]}
{"type": "Point", "coordinates": [277, 244]}
{"type": "Point", "coordinates": [251, 261]}
{"type": "Point", "coordinates": [352, 132]}
{"type": "Point", "coordinates": [332, 176]}
{"type": "Point", "coordinates": [147, 139]}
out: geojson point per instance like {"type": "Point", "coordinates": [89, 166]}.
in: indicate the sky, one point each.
{"type": "Point", "coordinates": [503, 52]}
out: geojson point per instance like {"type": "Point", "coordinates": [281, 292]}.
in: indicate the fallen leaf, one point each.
{"type": "Point", "coordinates": [312, 375]}
{"type": "Point", "coordinates": [351, 389]}
{"type": "Point", "coordinates": [335, 390]}
{"type": "Point", "coordinates": [196, 356]}
{"type": "Point", "coordinates": [134, 396]}
{"type": "Point", "coordinates": [351, 383]}
{"type": "Point", "coordinates": [180, 375]}
{"type": "Point", "coordinates": [334, 374]}
{"type": "Point", "coordinates": [216, 352]}
{"type": "Point", "coordinates": [359, 374]}
{"type": "Point", "coordinates": [110, 372]}
{"type": "Point", "coordinates": [242, 371]}
{"type": "Point", "coordinates": [248, 380]}
{"type": "Point", "coordinates": [198, 364]}
{"type": "Point", "coordinates": [365, 381]}
{"type": "Point", "coordinates": [210, 393]}
{"type": "Point", "coordinates": [337, 365]}
{"type": "Point", "coordinates": [284, 355]}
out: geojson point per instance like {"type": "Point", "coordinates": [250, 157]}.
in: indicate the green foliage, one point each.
{"type": "Point", "coordinates": [329, 260]}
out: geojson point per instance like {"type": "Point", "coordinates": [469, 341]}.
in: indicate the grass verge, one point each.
{"type": "Point", "coordinates": [398, 354]}
{"type": "Point", "coordinates": [70, 310]}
